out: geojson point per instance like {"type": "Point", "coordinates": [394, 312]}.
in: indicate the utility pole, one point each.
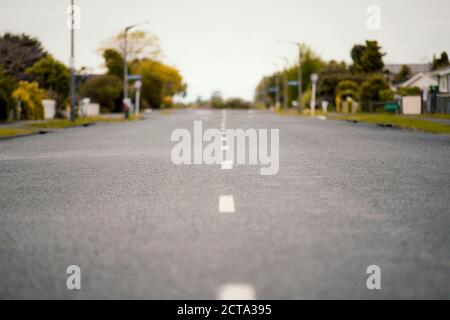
{"type": "Point", "coordinates": [126, 101]}
{"type": "Point", "coordinates": [299, 75]}
{"type": "Point", "coordinates": [314, 79]}
{"type": "Point", "coordinates": [125, 73]}
{"type": "Point", "coordinates": [286, 85]}
{"type": "Point", "coordinates": [72, 61]}
{"type": "Point", "coordinates": [277, 90]}
{"type": "Point", "coordinates": [277, 86]}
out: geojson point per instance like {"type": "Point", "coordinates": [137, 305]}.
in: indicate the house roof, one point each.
{"type": "Point", "coordinates": [414, 67]}
{"type": "Point", "coordinates": [417, 77]}
{"type": "Point", "coordinates": [441, 72]}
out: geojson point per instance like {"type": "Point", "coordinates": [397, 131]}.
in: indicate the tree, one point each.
{"type": "Point", "coordinates": [140, 45]}
{"type": "Point", "coordinates": [311, 63]}
{"type": "Point", "coordinates": [367, 58]}
{"type": "Point", "coordinates": [441, 62]}
{"type": "Point", "coordinates": [159, 81]}
{"type": "Point", "coordinates": [348, 88]}
{"type": "Point", "coordinates": [371, 90]}
{"type": "Point", "coordinates": [372, 58]}
{"type": "Point", "coordinates": [19, 52]}
{"type": "Point", "coordinates": [329, 78]}
{"type": "Point", "coordinates": [113, 62]}
{"type": "Point", "coordinates": [237, 103]}
{"type": "Point", "coordinates": [217, 100]}
{"type": "Point", "coordinates": [7, 86]}
{"type": "Point", "coordinates": [356, 54]}
{"type": "Point", "coordinates": [403, 75]}
{"type": "Point", "coordinates": [53, 76]}
{"type": "Point", "coordinates": [29, 97]}
{"type": "Point", "coordinates": [103, 89]}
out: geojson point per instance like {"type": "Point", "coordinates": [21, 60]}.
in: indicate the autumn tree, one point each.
{"type": "Point", "coordinates": [140, 45]}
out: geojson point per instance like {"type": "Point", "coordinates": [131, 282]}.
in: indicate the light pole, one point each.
{"type": "Point", "coordinates": [126, 101]}
{"type": "Point", "coordinates": [299, 103]}
{"type": "Point", "coordinates": [286, 85]}
{"type": "Point", "coordinates": [72, 61]}
{"type": "Point", "coordinates": [314, 79]}
{"type": "Point", "coordinates": [277, 87]}
{"type": "Point", "coordinates": [138, 86]}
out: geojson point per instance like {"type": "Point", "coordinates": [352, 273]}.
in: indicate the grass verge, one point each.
{"type": "Point", "coordinates": [12, 132]}
{"type": "Point", "coordinates": [435, 116]}
{"type": "Point", "coordinates": [64, 123]}
{"type": "Point", "coordinates": [395, 120]}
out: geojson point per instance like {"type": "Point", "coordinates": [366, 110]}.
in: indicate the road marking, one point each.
{"type": "Point", "coordinates": [224, 148]}
{"type": "Point", "coordinates": [224, 138]}
{"type": "Point", "coordinates": [226, 204]}
{"type": "Point", "coordinates": [227, 165]}
{"type": "Point", "coordinates": [236, 291]}
{"type": "Point", "coordinates": [322, 118]}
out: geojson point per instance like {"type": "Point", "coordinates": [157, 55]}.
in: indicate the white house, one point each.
{"type": "Point", "coordinates": [443, 79]}
{"type": "Point", "coordinates": [421, 80]}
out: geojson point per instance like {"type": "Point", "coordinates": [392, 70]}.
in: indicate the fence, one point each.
{"type": "Point", "coordinates": [443, 103]}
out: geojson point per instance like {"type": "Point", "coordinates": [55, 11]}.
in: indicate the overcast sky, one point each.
{"type": "Point", "coordinates": [228, 45]}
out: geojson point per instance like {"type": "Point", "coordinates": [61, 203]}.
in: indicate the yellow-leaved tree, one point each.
{"type": "Point", "coordinates": [29, 99]}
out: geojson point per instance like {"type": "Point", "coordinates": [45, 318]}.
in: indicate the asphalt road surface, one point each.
{"type": "Point", "coordinates": [109, 199]}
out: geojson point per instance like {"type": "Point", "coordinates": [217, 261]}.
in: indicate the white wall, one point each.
{"type": "Point", "coordinates": [88, 109]}
{"type": "Point", "coordinates": [49, 108]}
{"type": "Point", "coordinates": [412, 105]}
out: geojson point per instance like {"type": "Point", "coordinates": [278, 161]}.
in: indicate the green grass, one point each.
{"type": "Point", "coordinates": [435, 115]}
{"type": "Point", "coordinates": [294, 112]}
{"type": "Point", "coordinates": [64, 123]}
{"type": "Point", "coordinates": [395, 120]}
{"type": "Point", "coordinates": [12, 132]}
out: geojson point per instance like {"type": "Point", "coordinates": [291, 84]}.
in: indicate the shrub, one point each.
{"type": "Point", "coordinates": [414, 91]}
{"type": "Point", "coordinates": [7, 86]}
{"type": "Point", "coordinates": [103, 89]}
{"type": "Point", "coordinates": [348, 88]}
{"type": "Point", "coordinates": [386, 95]}
{"type": "Point", "coordinates": [371, 88]}
{"type": "Point", "coordinates": [237, 103]}
{"type": "Point", "coordinates": [30, 96]}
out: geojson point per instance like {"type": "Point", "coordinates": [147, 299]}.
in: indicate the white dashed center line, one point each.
{"type": "Point", "coordinates": [226, 204]}
{"type": "Point", "coordinates": [236, 291]}
{"type": "Point", "coordinates": [227, 165]}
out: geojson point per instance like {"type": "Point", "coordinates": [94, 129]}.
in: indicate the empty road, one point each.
{"type": "Point", "coordinates": [108, 199]}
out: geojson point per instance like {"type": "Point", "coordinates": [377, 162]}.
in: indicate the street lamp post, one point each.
{"type": "Point", "coordinates": [126, 101]}
{"type": "Point", "coordinates": [299, 103]}
{"type": "Point", "coordinates": [72, 61]}
{"type": "Point", "coordinates": [286, 85]}
{"type": "Point", "coordinates": [314, 79]}
{"type": "Point", "coordinates": [277, 87]}
{"type": "Point", "coordinates": [138, 86]}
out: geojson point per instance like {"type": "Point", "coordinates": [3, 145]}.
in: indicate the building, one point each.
{"type": "Point", "coordinates": [414, 67]}
{"type": "Point", "coordinates": [420, 80]}
{"type": "Point", "coordinates": [442, 77]}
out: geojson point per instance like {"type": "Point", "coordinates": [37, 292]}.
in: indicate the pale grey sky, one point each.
{"type": "Point", "coordinates": [228, 45]}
